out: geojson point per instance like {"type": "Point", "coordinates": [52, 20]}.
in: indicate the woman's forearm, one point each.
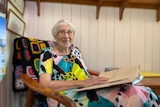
{"type": "Point", "coordinates": [60, 85]}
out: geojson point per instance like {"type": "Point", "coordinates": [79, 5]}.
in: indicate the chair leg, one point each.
{"type": "Point", "coordinates": [29, 99]}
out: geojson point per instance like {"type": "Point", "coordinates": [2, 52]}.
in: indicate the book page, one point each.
{"type": "Point", "coordinates": [116, 77]}
{"type": "Point", "coordinates": [121, 74]}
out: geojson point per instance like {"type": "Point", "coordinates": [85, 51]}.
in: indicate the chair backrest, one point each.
{"type": "Point", "coordinates": [26, 57]}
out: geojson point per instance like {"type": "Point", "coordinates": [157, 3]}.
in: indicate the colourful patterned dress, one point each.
{"type": "Point", "coordinates": [72, 67]}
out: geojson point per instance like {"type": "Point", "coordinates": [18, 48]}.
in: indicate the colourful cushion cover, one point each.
{"type": "Point", "coordinates": [26, 59]}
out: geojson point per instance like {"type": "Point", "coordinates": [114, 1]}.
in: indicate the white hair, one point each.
{"type": "Point", "coordinates": [60, 23]}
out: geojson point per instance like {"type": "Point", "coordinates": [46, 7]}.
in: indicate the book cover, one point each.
{"type": "Point", "coordinates": [117, 77]}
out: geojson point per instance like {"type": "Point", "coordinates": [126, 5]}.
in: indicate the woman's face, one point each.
{"type": "Point", "coordinates": [64, 36]}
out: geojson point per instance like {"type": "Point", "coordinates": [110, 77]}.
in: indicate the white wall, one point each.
{"type": "Point", "coordinates": [106, 42]}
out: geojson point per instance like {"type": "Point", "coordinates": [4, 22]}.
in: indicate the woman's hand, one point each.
{"type": "Point", "coordinates": [94, 80]}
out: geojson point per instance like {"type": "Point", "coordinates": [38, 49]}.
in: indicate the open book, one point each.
{"type": "Point", "coordinates": [118, 77]}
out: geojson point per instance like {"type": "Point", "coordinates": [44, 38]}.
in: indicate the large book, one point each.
{"type": "Point", "coordinates": [118, 77]}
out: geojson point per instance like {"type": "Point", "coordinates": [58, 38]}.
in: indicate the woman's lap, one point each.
{"type": "Point", "coordinates": [124, 96]}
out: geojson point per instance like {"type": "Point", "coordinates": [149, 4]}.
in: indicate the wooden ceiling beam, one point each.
{"type": "Point", "coordinates": [158, 13]}
{"type": "Point", "coordinates": [84, 2]}
{"type": "Point", "coordinates": [99, 3]}
{"type": "Point", "coordinates": [38, 7]}
{"type": "Point", "coordinates": [121, 8]}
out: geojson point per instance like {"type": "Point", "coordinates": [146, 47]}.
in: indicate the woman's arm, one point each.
{"type": "Point", "coordinates": [60, 85]}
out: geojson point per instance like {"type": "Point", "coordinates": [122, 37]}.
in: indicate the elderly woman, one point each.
{"type": "Point", "coordinates": [63, 69]}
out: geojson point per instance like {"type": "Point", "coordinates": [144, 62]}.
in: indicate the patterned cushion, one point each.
{"type": "Point", "coordinates": [18, 84]}
{"type": "Point", "coordinates": [26, 59]}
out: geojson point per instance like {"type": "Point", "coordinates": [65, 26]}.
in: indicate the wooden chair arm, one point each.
{"type": "Point", "coordinates": [37, 87]}
{"type": "Point", "coordinates": [92, 72]}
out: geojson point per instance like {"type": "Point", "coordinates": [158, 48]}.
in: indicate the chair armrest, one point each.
{"type": "Point", "coordinates": [37, 87]}
{"type": "Point", "coordinates": [92, 72]}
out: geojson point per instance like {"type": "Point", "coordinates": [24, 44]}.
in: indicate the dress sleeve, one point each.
{"type": "Point", "coordinates": [46, 62]}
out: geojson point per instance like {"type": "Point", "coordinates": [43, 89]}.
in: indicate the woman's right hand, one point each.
{"type": "Point", "coordinates": [95, 80]}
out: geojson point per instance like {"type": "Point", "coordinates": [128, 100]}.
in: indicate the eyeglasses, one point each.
{"type": "Point", "coordinates": [62, 32]}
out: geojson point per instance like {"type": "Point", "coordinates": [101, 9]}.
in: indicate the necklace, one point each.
{"type": "Point", "coordinates": [62, 52]}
